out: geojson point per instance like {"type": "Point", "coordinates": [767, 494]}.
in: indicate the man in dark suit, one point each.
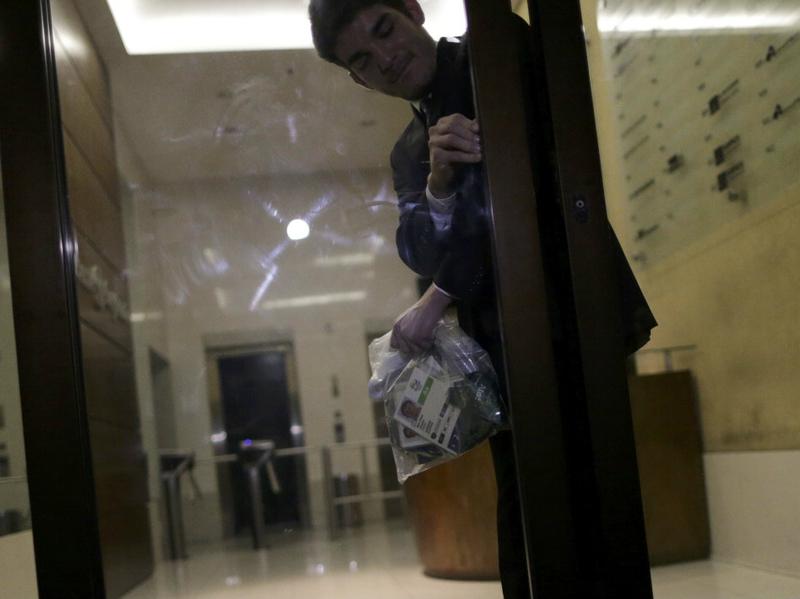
{"type": "Point", "coordinates": [443, 231]}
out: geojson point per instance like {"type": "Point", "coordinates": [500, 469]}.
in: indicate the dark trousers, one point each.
{"type": "Point", "coordinates": [510, 540]}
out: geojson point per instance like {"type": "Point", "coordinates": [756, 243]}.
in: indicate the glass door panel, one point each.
{"type": "Point", "coordinates": [248, 218]}
{"type": "Point", "coordinates": [697, 110]}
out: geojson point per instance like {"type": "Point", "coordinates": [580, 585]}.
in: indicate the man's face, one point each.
{"type": "Point", "coordinates": [388, 52]}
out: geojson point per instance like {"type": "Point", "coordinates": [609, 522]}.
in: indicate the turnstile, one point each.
{"type": "Point", "coordinates": [174, 464]}
{"type": "Point", "coordinates": [253, 455]}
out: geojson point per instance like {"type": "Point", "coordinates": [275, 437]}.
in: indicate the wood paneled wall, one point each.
{"type": "Point", "coordinates": [120, 465]}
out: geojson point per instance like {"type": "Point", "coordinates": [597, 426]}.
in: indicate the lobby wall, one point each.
{"type": "Point", "coordinates": [733, 294]}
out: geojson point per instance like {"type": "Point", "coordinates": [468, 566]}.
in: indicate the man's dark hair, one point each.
{"type": "Point", "coordinates": [329, 17]}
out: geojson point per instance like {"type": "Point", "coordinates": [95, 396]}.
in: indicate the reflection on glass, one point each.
{"type": "Point", "coordinates": [16, 542]}
{"type": "Point", "coordinates": [237, 215]}
{"type": "Point", "coordinates": [697, 111]}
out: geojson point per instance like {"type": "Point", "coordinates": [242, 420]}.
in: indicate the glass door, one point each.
{"type": "Point", "coordinates": [695, 108]}
{"type": "Point", "coordinates": [243, 201]}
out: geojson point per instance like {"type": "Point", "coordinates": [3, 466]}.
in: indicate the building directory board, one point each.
{"type": "Point", "coordinates": [706, 97]}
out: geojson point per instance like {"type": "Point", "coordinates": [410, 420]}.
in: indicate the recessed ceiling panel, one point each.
{"type": "Point", "coordinates": [183, 26]}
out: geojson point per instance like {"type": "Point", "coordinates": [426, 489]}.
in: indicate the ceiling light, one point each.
{"type": "Point", "coordinates": [315, 300]}
{"type": "Point", "coordinates": [146, 316]}
{"type": "Point", "coordinates": [684, 22]}
{"type": "Point", "coordinates": [360, 259]}
{"type": "Point", "coordinates": [298, 229]}
{"type": "Point", "coordinates": [159, 27]}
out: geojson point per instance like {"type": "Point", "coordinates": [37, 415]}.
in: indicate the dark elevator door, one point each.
{"type": "Point", "coordinates": [256, 405]}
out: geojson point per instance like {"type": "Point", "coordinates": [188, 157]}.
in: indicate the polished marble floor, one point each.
{"type": "Point", "coordinates": [381, 563]}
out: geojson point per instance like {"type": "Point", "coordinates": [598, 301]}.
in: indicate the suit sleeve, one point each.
{"type": "Point", "coordinates": [637, 319]}
{"type": "Point", "coordinates": [453, 258]}
{"type": "Point", "coordinates": [420, 245]}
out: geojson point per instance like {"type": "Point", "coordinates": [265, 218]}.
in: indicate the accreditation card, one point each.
{"type": "Point", "coordinates": [423, 406]}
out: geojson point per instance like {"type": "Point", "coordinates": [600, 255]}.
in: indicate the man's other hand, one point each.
{"type": "Point", "coordinates": [454, 140]}
{"type": "Point", "coordinates": [413, 332]}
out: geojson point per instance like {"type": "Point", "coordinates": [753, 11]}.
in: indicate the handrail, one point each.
{"type": "Point", "coordinates": [287, 452]}
{"type": "Point", "coordinates": [326, 451]}
{"type": "Point", "coordinates": [379, 442]}
{"type": "Point", "coordinates": [669, 349]}
{"type": "Point", "coordinates": [667, 352]}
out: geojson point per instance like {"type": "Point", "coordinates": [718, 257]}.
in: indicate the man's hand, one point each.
{"type": "Point", "coordinates": [453, 141]}
{"type": "Point", "coordinates": [413, 331]}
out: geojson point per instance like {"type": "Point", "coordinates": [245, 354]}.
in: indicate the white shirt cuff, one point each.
{"type": "Point", "coordinates": [441, 205]}
{"type": "Point", "coordinates": [441, 210]}
{"type": "Point", "coordinates": [450, 295]}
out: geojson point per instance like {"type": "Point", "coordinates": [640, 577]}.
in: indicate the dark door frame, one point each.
{"type": "Point", "coordinates": [41, 250]}
{"type": "Point", "coordinates": [559, 305]}
{"type": "Point", "coordinates": [577, 437]}
{"type": "Point", "coordinates": [615, 536]}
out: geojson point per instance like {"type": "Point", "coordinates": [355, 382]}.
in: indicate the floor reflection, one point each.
{"type": "Point", "coordinates": [377, 561]}
{"type": "Point", "coordinates": [381, 561]}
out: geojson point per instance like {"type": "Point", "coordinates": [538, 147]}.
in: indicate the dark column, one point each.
{"type": "Point", "coordinates": [41, 257]}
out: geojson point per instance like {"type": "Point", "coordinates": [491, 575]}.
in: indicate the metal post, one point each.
{"type": "Point", "coordinates": [327, 488]}
{"type": "Point", "coordinates": [175, 533]}
{"type": "Point", "coordinates": [256, 508]}
{"type": "Point", "coordinates": [668, 360]}
{"type": "Point", "coordinates": [364, 470]}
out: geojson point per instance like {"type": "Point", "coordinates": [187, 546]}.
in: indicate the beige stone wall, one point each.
{"type": "Point", "coordinates": [17, 567]}
{"type": "Point", "coordinates": [732, 293]}
{"type": "Point", "coordinates": [735, 297]}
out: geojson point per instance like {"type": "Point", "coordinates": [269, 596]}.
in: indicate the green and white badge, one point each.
{"type": "Point", "coordinates": [423, 406]}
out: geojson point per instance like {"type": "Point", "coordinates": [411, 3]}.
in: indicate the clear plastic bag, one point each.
{"type": "Point", "coordinates": [439, 404]}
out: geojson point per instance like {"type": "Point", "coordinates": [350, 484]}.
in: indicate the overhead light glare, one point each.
{"type": "Point", "coordinates": [147, 30]}
{"type": "Point", "coordinates": [158, 27]}
{"type": "Point", "coordinates": [298, 229]}
{"type": "Point", "coordinates": [222, 298]}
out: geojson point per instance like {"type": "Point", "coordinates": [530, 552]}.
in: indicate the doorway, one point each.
{"type": "Point", "coordinates": [215, 236]}
{"type": "Point", "coordinates": [252, 394]}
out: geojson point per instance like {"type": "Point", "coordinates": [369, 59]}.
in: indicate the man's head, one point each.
{"type": "Point", "coordinates": [381, 42]}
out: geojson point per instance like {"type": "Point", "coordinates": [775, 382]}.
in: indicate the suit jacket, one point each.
{"type": "Point", "coordinates": [459, 261]}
